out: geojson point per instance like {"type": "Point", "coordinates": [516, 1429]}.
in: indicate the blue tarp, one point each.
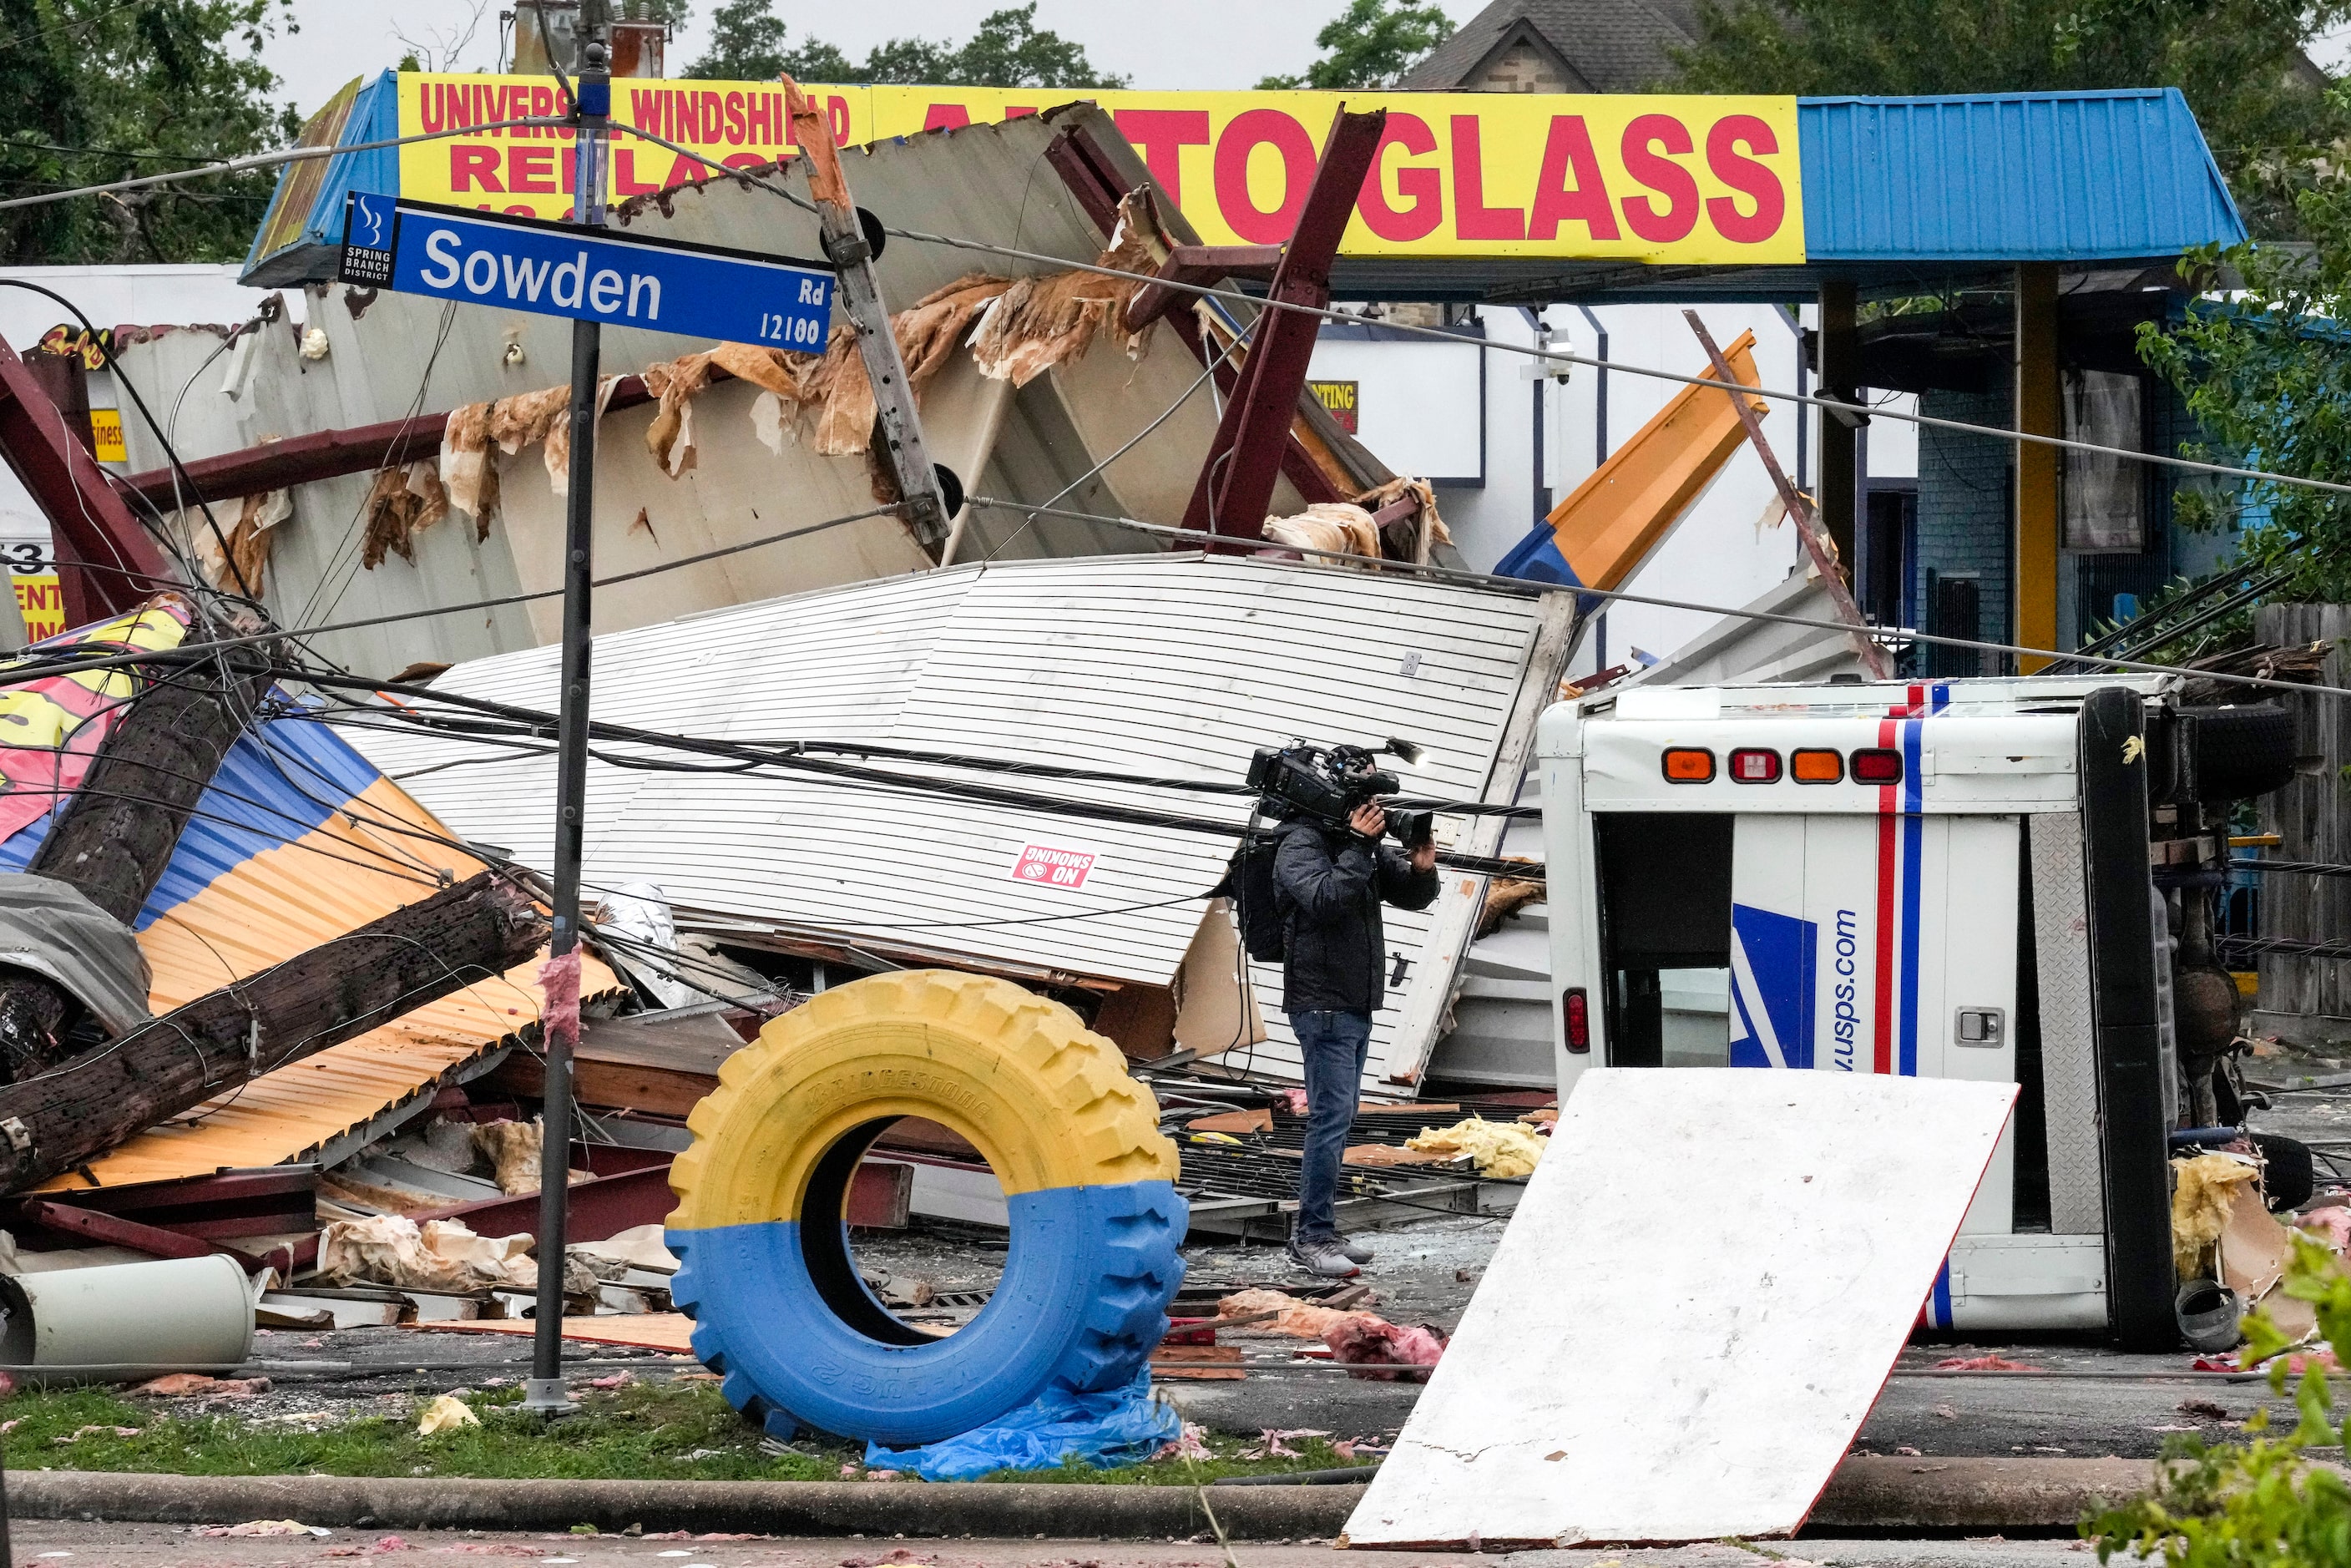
{"type": "Point", "coordinates": [1109, 1430]}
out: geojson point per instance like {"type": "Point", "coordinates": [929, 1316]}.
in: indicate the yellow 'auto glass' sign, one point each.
{"type": "Point", "coordinates": [1681, 178]}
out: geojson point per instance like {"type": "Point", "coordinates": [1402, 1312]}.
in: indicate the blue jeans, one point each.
{"type": "Point", "coordinates": [1335, 1046]}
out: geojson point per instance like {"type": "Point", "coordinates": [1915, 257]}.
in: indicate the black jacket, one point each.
{"type": "Point", "coordinates": [1329, 883]}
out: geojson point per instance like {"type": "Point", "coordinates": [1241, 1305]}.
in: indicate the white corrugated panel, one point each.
{"type": "Point", "coordinates": [1161, 664]}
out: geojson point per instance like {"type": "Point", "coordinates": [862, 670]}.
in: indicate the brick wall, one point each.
{"type": "Point", "coordinates": [1964, 506]}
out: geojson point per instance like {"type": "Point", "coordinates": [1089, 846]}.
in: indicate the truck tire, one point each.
{"type": "Point", "coordinates": [765, 1270]}
{"type": "Point", "coordinates": [2239, 753]}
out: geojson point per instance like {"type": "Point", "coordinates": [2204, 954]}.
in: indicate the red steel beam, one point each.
{"type": "Point", "coordinates": [108, 563]}
{"type": "Point", "coordinates": [331, 454]}
{"type": "Point", "coordinates": [1094, 181]}
{"type": "Point", "coordinates": [1236, 483]}
{"type": "Point", "coordinates": [112, 1230]}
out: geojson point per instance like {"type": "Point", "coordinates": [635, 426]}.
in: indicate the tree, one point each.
{"type": "Point", "coordinates": [748, 43]}
{"type": "Point", "coordinates": [2268, 377]}
{"type": "Point", "coordinates": [2259, 1505]}
{"type": "Point", "coordinates": [95, 90]}
{"type": "Point", "coordinates": [2269, 114]}
{"type": "Point", "coordinates": [1372, 43]}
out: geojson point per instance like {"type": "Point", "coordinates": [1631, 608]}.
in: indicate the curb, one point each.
{"type": "Point", "coordinates": [1872, 1491]}
{"type": "Point", "coordinates": [1867, 1493]}
{"type": "Point", "coordinates": [1072, 1511]}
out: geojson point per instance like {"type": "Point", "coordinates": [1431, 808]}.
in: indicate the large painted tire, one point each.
{"type": "Point", "coordinates": [764, 1269]}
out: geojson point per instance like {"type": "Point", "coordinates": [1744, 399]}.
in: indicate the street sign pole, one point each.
{"type": "Point", "coordinates": [546, 1393]}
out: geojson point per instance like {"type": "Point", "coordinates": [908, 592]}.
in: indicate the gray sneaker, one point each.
{"type": "Point", "coordinates": [1354, 1250]}
{"type": "Point", "coordinates": [1321, 1256]}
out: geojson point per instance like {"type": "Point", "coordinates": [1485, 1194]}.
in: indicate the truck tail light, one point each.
{"type": "Point", "coordinates": [1754, 765]}
{"type": "Point", "coordinates": [1876, 765]}
{"type": "Point", "coordinates": [1816, 766]}
{"type": "Point", "coordinates": [1579, 1019]}
{"type": "Point", "coordinates": [1688, 765]}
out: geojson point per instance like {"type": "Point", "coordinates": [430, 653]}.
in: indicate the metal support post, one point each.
{"type": "Point", "coordinates": [852, 251]}
{"type": "Point", "coordinates": [2040, 411]}
{"type": "Point", "coordinates": [545, 1394]}
{"type": "Point", "coordinates": [1840, 378]}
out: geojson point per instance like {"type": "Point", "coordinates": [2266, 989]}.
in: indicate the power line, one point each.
{"type": "Point", "coordinates": [71, 26]}
{"type": "Point", "coordinates": [19, 671]}
{"type": "Point", "coordinates": [1489, 580]}
{"type": "Point", "coordinates": [271, 161]}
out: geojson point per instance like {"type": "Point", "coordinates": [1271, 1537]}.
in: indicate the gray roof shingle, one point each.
{"type": "Point", "coordinates": [1614, 46]}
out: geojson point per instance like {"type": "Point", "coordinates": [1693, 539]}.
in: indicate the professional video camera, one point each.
{"type": "Point", "coordinates": [1331, 782]}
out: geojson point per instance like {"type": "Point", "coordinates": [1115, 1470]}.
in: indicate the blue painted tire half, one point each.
{"type": "Point", "coordinates": [766, 1272]}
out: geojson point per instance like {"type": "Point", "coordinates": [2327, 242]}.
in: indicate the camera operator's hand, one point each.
{"type": "Point", "coordinates": [1368, 820]}
{"type": "Point", "coordinates": [1424, 856]}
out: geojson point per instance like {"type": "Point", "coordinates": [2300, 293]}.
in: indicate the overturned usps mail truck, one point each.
{"type": "Point", "coordinates": [2002, 879]}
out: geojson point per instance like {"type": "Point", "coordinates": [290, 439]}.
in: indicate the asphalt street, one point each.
{"type": "Point", "coordinates": [44, 1544]}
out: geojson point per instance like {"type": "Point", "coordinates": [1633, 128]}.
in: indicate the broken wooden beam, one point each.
{"type": "Point", "coordinates": [477, 929]}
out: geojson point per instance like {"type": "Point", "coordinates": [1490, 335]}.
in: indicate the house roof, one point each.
{"type": "Point", "coordinates": [1614, 46]}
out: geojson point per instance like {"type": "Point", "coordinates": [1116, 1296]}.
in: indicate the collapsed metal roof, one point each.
{"type": "Point", "coordinates": [1174, 665]}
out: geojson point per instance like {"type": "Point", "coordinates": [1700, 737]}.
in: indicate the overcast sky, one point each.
{"type": "Point", "coordinates": [1167, 43]}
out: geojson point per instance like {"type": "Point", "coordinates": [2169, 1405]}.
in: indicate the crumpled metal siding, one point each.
{"type": "Point", "coordinates": [2008, 177]}
{"type": "Point", "coordinates": [1165, 666]}
{"type": "Point", "coordinates": [52, 928]}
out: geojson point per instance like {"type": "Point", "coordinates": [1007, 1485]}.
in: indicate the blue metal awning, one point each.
{"type": "Point", "coordinates": [2080, 177]}
{"type": "Point", "coordinates": [301, 232]}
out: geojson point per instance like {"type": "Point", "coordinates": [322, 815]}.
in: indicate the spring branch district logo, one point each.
{"type": "Point", "coordinates": [1772, 969]}
{"type": "Point", "coordinates": [1048, 867]}
{"type": "Point", "coordinates": [368, 224]}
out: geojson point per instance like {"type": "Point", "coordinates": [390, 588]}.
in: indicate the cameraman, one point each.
{"type": "Point", "coordinates": [1329, 883]}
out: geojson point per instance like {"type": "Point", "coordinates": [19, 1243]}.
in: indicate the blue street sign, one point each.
{"type": "Point", "coordinates": [586, 273]}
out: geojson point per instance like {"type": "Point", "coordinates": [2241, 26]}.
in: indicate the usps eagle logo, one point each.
{"type": "Point", "coordinates": [1772, 971]}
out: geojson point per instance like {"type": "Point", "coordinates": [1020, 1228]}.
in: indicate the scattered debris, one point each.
{"type": "Point", "coordinates": [1498, 1149]}
{"type": "Point", "coordinates": [197, 1385]}
{"type": "Point", "coordinates": [1305, 1320]}
{"type": "Point", "coordinates": [1365, 1342]}
{"type": "Point", "coordinates": [439, 1255]}
{"type": "Point", "coordinates": [446, 1413]}
{"type": "Point", "coordinates": [263, 1527]}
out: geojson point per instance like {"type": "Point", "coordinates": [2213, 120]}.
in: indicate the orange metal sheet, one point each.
{"type": "Point", "coordinates": [1608, 526]}
{"type": "Point", "coordinates": [357, 867]}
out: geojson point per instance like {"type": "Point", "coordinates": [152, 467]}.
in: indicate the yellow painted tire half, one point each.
{"type": "Point", "coordinates": [765, 1270]}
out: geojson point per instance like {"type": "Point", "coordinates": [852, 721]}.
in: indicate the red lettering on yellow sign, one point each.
{"type": "Point", "coordinates": [1655, 178]}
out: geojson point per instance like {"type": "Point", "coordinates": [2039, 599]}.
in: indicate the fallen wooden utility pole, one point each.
{"type": "Point", "coordinates": [457, 937]}
{"type": "Point", "coordinates": [113, 838]}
